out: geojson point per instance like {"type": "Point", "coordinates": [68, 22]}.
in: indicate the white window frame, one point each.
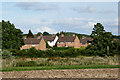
{"type": "Point", "coordinates": [33, 44]}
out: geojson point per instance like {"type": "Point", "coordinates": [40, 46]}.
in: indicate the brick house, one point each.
{"type": "Point", "coordinates": [73, 41]}
{"type": "Point", "coordinates": [51, 40]}
{"type": "Point", "coordinates": [39, 42]}
{"type": "Point", "coordinates": [34, 42]}
{"type": "Point", "coordinates": [85, 41]}
{"type": "Point", "coordinates": [68, 41]}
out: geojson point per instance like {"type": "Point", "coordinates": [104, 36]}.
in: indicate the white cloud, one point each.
{"type": "Point", "coordinates": [76, 22]}
{"type": "Point", "coordinates": [107, 11]}
{"type": "Point", "coordinates": [44, 28]}
{"type": "Point", "coordinates": [81, 25]}
{"type": "Point", "coordinates": [36, 6]}
{"type": "Point", "coordinates": [86, 9]}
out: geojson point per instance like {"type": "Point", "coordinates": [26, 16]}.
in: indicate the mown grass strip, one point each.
{"type": "Point", "coordinates": [59, 67]}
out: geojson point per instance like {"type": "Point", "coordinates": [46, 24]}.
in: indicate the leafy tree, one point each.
{"type": "Point", "coordinates": [101, 41]}
{"type": "Point", "coordinates": [38, 34]}
{"type": "Point", "coordinates": [11, 37]}
{"type": "Point", "coordinates": [45, 33]}
{"type": "Point", "coordinates": [6, 54]}
{"type": "Point", "coordinates": [116, 47]}
{"type": "Point", "coordinates": [0, 35]}
{"type": "Point", "coordinates": [30, 34]}
{"type": "Point", "coordinates": [47, 45]}
{"type": "Point", "coordinates": [63, 33]}
{"type": "Point", "coordinates": [58, 34]}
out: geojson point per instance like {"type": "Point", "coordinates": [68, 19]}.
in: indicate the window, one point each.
{"type": "Point", "coordinates": [63, 42]}
{"type": "Point", "coordinates": [33, 44]}
{"type": "Point", "coordinates": [66, 42]}
{"type": "Point", "coordinates": [70, 42]}
{"type": "Point", "coordinates": [83, 43]}
{"type": "Point", "coordinates": [59, 42]}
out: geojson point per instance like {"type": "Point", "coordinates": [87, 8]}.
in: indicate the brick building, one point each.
{"type": "Point", "coordinates": [34, 42]}
{"type": "Point", "coordinates": [85, 41]}
{"type": "Point", "coordinates": [39, 42]}
{"type": "Point", "coordinates": [51, 40]}
{"type": "Point", "coordinates": [68, 41]}
{"type": "Point", "coordinates": [73, 41]}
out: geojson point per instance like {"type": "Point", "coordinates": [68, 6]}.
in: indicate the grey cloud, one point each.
{"type": "Point", "coordinates": [86, 9]}
{"type": "Point", "coordinates": [36, 6]}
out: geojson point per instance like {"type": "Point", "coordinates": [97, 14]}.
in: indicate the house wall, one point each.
{"type": "Point", "coordinates": [76, 42]}
{"type": "Point", "coordinates": [40, 46]}
{"type": "Point", "coordinates": [65, 44]}
{"type": "Point", "coordinates": [26, 46]}
{"type": "Point", "coordinates": [61, 44]}
{"type": "Point", "coordinates": [83, 45]}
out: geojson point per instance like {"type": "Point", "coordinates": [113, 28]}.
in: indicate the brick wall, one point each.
{"type": "Point", "coordinates": [67, 44]}
{"type": "Point", "coordinates": [83, 45]}
{"type": "Point", "coordinates": [76, 42]}
{"type": "Point", "coordinates": [40, 46]}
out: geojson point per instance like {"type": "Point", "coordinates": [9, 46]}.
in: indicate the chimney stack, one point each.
{"type": "Point", "coordinates": [73, 34]}
{"type": "Point", "coordinates": [41, 35]}
{"type": "Point", "coordinates": [34, 35]}
{"type": "Point", "coordinates": [24, 37]}
{"type": "Point", "coordinates": [53, 35]}
{"type": "Point", "coordinates": [62, 35]}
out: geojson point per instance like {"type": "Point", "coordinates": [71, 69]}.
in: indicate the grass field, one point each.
{"type": "Point", "coordinates": [59, 67]}
{"type": "Point", "coordinates": [81, 62]}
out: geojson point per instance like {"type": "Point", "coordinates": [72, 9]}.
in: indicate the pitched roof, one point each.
{"type": "Point", "coordinates": [32, 41]}
{"type": "Point", "coordinates": [89, 38]}
{"type": "Point", "coordinates": [49, 38]}
{"type": "Point", "coordinates": [66, 39]}
{"type": "Point", "coordinates": [85, 40]}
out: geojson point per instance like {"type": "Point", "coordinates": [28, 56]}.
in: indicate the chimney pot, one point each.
{"type": "Point", "coordinates": [53, 35]}
{"type": "Point", "coordinates": [24, 37]}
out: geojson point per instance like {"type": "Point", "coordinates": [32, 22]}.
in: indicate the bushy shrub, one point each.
{"type": "Point", "coordinates": [47, 45]}
{"type": "Point", "coordinates": [91, 50]}
{"type": "Point", "coordinates": [61, 48]}
{"type": "Point", "coordinates": [46, 63]}
{"type": "Point", "coordinates": [26, 64]}
{"type": "Point", "coordinates": [5, 54]}
{"type": "Point", "coordinates": [33, 53]}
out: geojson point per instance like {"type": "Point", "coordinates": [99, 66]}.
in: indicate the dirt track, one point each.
{"type": "Point", "coordinates": [73, 73]}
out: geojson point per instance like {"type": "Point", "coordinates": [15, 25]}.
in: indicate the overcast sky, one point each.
{"type": "Point", "coordinates": [54, 17]}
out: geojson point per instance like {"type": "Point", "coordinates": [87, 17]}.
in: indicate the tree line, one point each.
{"type": "Point", "coordinates": [103, 44]}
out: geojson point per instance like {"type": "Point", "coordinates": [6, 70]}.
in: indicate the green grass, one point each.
{"type": "Point", "coordinates": [59, 67]}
